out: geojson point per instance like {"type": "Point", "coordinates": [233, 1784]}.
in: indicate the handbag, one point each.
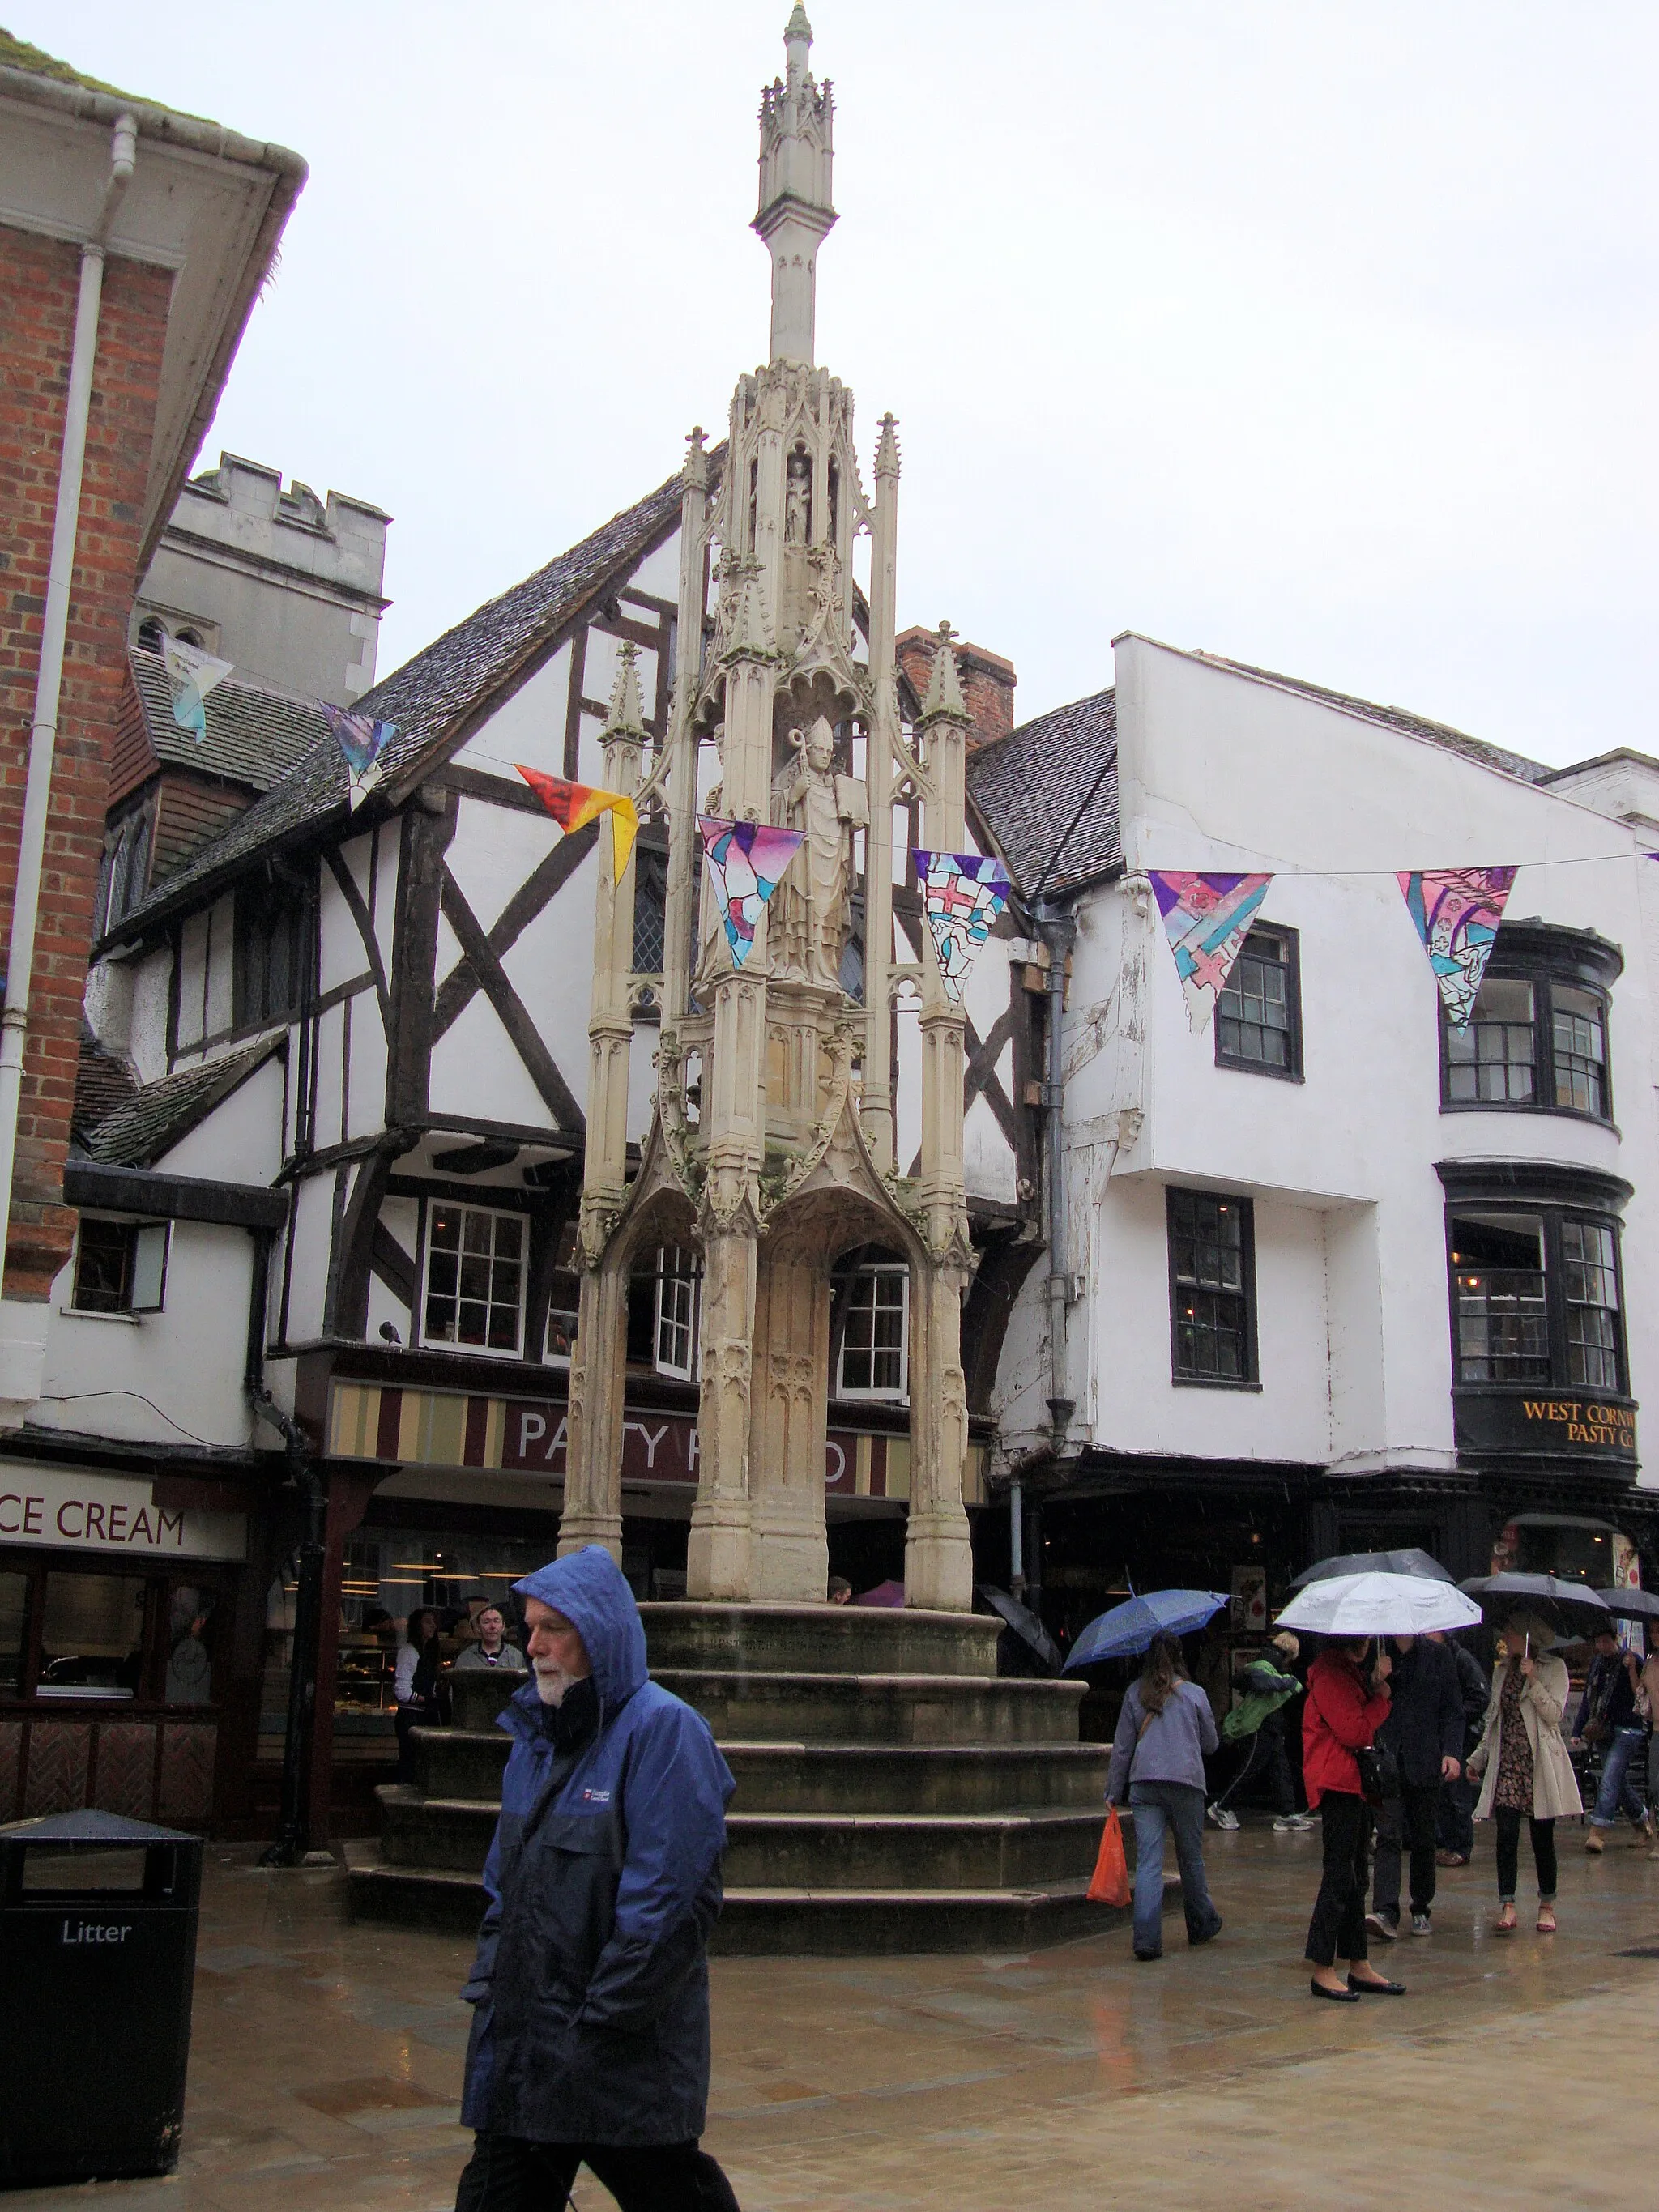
{"type": "Point", "coordinates": [1110, 1885]}
{"type": "Point", "coordinates": [1379, 1773]}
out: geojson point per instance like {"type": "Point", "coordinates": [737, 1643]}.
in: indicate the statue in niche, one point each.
{"type": "Point", "coordinates": [798, 501]}
{"type": "Point", "coordinates": [811, 909]}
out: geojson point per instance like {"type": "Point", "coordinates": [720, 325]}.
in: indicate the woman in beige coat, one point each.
{"type": "Point", "coordinates": [1528, 1774]}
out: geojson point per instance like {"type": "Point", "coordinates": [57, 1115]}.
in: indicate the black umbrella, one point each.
{"type": "Point", "coordinates": [1631, 1604]}
{"type": "Point", "coordinates": [1024, 1624]}
{"type": "Point", "coordinates": [1410, 1561]}
{"type": "Point", "coordinates": [1574, 1605]}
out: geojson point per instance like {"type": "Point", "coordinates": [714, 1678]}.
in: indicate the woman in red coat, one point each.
{"type": "Point", "coordinates": [1347, 1702]}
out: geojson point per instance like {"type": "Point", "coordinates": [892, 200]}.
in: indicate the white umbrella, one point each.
{"type": "Point", "coordinates": [1379, 1605]}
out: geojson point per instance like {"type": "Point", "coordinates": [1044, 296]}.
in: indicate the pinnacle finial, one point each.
{"type": "Point", "coordinates": [887, 447]}
{"type": "Point", "coordinates": [627, 716]}
{"type": "Point", "coordinates": [798, 27]}
{"type": "Point", "coordinates": [943, 685]}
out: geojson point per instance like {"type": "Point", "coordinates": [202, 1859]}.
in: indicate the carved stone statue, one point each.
{"type": "Point", "coordinates": [811, 909]}
{"type": "Point", "coordinates": [798, 501]}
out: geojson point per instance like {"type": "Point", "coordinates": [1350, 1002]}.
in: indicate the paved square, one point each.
{"type": "Point", "coordinates": [326, 2063]}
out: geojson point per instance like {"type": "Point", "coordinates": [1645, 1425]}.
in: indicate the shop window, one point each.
{"type": "Point", "coordinates": [92, 1636]}
{"type": "Point", "coordinates": [269, 951]}
{"type": "Point", "coordinates": [120, 1267]}
{"type": "Point", "coordinates": [1537, 1040]}
{"type": "Point", "coordinates": [676, 1343]}
{"type": "Point", "coordinates": [14, 1631]}
{"type": "Point", "coordinates": [875, 1345]}
{"type": "Point", "coordinates": [1211, 1288]}
{"type": "Point", "coordinates": [1258, 1017]}
{"type": "Point", "coordinates": [191, 1634]}
{"type": "Point", "coordinates": [475, 1277]}
{"type": "Point", "coordinates": [1536, 1299]}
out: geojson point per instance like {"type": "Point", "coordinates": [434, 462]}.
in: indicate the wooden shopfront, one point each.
{"type": "Point", "coordinates": [120, 1598]}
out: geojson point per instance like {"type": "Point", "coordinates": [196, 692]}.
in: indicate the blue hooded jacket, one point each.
{"type": "Point", "coordinates": [591, 1983]}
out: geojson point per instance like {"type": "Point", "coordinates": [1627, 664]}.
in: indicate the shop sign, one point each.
{"type": "Point", "coordinates": [656, 1447]}
{"type": "Point", "coordinates": [81, 1512]}
{"type": "Point", "coordinates": [1563, 1427]}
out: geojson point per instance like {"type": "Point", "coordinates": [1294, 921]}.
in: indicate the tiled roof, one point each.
{"type": "Point", "coordinates": [1029, 786]}
{"type": "Point", "coordinates": [431, 695]}
{"type": "Point", "coordinates": [253, 736]}
{"type": "Point", "coordinates": [1395, 718]}
{"type": "Point", "coordinates": [102, 1083]}
{"type": "Point", "coordinates": [137, 1134]}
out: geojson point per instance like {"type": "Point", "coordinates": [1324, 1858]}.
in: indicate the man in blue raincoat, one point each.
{"type": "Point", "coordinates": [590, 2036]}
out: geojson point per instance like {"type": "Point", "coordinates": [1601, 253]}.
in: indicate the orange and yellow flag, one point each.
{"type": "Point", "coordinates": [574, 805]}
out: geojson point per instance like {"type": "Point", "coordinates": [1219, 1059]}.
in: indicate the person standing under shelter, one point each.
{"type": "Point", "coordinates": [590, 2041]}
{"type": "Point", "coordinates": [1424, 1732]}
{"type": "Point", "coordinates": [1163, 1733]}
{"type": "Point", "coordinates": [1528, 1774]}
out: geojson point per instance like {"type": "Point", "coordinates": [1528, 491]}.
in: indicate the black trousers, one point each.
{"type": "Point", "coordinates": [1509, 1854]}
{"type": "Point", "coordinates": [1337, 1929]}
{"type": "Point", "coordinates": [504, 2173]}
{"type": "Point", "coordinates": [1412, 1814]}
{"type": "Point", "coordinates": [1454, 1821]}
{"type": "Point", "coordinates": [1265, 1755]}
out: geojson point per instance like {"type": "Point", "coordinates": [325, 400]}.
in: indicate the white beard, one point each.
{"type": "Point", "coordinates": [552, 1682]}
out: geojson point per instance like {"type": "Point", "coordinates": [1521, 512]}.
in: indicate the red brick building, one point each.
{"type": "Point", "coordinates": [134, 246]}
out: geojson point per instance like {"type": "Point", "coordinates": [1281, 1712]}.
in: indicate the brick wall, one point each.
{"type": "Point", "coordinates": [38, 280]}
{"type": "Point", "coordinates": [988, 681]}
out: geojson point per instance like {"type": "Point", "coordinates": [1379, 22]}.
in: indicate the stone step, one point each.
{"type": "Point", "coordinates": [818, 1851]}
{"type": "Point", "coordinates": [760, 1922]}
{"type": "Point", "coordinates": [832, 1777]}
{"type": "Point", "coordinates": [807, 1708]}
{"type": "Point", "coordinates": [819, 1639]}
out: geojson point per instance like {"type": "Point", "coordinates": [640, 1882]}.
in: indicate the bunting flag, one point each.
{"type": "Point", "coordinates": [361, 741]}
{"type": "Point", "coordinates": [191, 674]}
{"type": "Point", "coordinates": [574, 805]}
{"type": "Point", "coordinates": [747, 861]}
{"type": "Point", "coordinates": [962, 894]}
{"type": "Point", "coordinates": [1206, 920]}
{"type": "Point", "coordinates": [1457, 911]}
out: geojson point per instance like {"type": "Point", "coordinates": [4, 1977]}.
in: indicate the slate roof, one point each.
{"type": "Point", "coordinates": [1395, 718]}
{"type": "Point", "coordinates": [102, 1083]}
{"type": "Point", "coordinates": [429, 696]}
{"type": "Point", "coordinates": [254, 736]}
{"type": "Point", "coordinates": [1029, 786]}
{"type": "Point", "coordinates": [157, 1117]}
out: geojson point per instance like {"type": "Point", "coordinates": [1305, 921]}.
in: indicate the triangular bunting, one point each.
{"type": "Point", "coordinates": [1457, 911]}
{"type": "Point", "coordinates": [361, 741]}
{"type": "Point", "coordinates": [746, 860]}
{"type": "Point", "coordinates": [572, 805]}
{"type": "Point", "coordinates": [962, 895]}
{"type": "Point", "coordinates": [1206, 920]}
{"type": "Point", "coordinates": [191, 674]}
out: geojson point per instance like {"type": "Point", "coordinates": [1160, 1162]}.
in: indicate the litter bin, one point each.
{"type": "Point", "coordinates": [97, 1951]}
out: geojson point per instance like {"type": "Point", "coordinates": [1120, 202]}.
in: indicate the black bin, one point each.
{"type": "Point", "coordinates": [97, 1951]}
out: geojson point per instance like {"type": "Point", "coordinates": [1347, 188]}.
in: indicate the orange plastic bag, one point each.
{"type": "Point", "coordinates": [1111, 1883]}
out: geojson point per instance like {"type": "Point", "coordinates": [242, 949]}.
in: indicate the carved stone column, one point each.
{"type": "Point", "coordinates": [787, 1426]}
{"type": "Point", "coordinates": [593, 1429]}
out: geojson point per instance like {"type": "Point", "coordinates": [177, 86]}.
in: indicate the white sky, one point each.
{"type": "Point", "coordinates": [1318, 334]}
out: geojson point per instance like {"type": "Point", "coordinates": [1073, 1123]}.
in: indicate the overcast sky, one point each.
{"type": "Point", "coordinates": [1318, 335]}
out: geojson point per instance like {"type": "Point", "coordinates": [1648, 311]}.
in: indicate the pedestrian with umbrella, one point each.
{"type": "Point", "coordinates": [1347, 1703]}
{"type": "Point", "coordinates": [1163, 1733]}
{"type": "Point", "coordinates": [1528, 1775]}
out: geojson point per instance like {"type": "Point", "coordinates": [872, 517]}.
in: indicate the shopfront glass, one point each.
{"type": "Point", "coordinates": [14, 1631]}
{"type": "Point", "coordinates": [92, 1636]}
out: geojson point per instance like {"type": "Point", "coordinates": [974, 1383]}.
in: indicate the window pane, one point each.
{"type": "Point", "coordinates": [474, 1277]}
{"type": "Point", "coordinates": [1590, 1279]}
{"type": "Point", "coordinates": [874, 1342]}
{"type": "Point", "coordinates": [103, 1265]}
{"type": "Point", "coordinates": [1580, 1046]}
{"type": "Point", "coordinates": [192, 1637]}
{"type": "Point", "coordinates": [1212, 1302]}
{"type": "Point", "coordinates": [92, 1634]}
{"type": "Point", "coordinates": [14, 1631]}
{"type": "Point", "coordinates": [1490, 1061]}
{"type": "Point", "coordinates": [1498, 1287]}
{"type": "Point", "coordinates": [1254, 1014]}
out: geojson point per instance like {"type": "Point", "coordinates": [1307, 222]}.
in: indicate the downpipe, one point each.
{"type": "Point", "coordinates": [292, 1838]}
{"type": "Point", "coordinates": [1057, 927]}
{"type": "Point", "coordinates": [49, 681]}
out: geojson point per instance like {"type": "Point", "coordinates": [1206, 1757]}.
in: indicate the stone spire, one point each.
{"type": "Point", "coordinates": [797, 120]}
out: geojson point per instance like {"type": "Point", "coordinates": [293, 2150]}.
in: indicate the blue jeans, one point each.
{"type": "Point", "coordinates": [1180, 1806]}
{"type": "Point", "coordinates": [1617, 1781]}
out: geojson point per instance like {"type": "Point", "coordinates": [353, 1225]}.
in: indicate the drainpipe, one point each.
{"type": "Point", "coordinates": [1058, 927]}
{"type": "Point", "coordinates": [1016, 1539]}
{"type": "Point", "coordinates": [43, 736]}
{"type": "Point", "coordinates": [292, 1845]}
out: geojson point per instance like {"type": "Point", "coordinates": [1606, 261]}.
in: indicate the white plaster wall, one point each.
{"type": "Point", "coordinates": [219, 995]}
{"type": "Point", "coordinates": [329, 1046]}
{"type": "Point", "coordinates": [192, 980]}
{"type": "Point", "coordinates": [1220, 772]}
{"type": "Point", "coordinates": [242, 1140]}
{"type": "Point", "coordinates": [659, 572]}
{"type": "Point", "coordinates": [342, 955]}
{"type": "Point", "coordinates": [988, 1158]}
{"type": "Point", "coordinates": [401, 1219]}
{"type": "Point", "coordinates": [187, 1360]}
{"type": "Point", "coordinates": [368, 1066]}
{"type": "Point", "coordinates": [528, 728]}
{"type": "Point", "coordinates": [312, 1228]}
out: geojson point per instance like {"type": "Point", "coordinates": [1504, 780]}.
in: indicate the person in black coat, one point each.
{"type": "Point", "coordinates": [1454, 1823]}
{"type": "Point", "coordinates": [1425, 1731]}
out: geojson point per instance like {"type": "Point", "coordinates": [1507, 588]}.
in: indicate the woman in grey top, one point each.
{"type": "Point", "coordinates": [1164, 1730]}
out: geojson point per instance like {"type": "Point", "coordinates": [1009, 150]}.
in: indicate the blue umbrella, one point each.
{"type": "Point", "coordinates": [1129, 1628]}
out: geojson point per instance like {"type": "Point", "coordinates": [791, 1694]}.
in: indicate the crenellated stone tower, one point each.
{"type": "Point", "coordinates": [771, 1144]}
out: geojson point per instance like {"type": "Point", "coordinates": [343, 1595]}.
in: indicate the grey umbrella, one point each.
{"type": "Point", "coordinates": [1024, 1624]}
{"type": "Point", "coordinates": [1410, 1561]}
{"type": "Point", "coordinates": [1571, 1605]}
{"type": "Point", "coordinates": [1631, 1604]}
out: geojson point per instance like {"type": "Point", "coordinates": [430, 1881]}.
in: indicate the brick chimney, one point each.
{"type": "Point", "coordinates": [988, 681]}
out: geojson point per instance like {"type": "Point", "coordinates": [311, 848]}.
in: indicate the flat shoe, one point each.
{"type": "Point", "coordinates": [1146, 1957]}
{"type": "Point", "coordinates": [1333, 1996]}
{"type": "Point", "coordinates": [1377, 1988]}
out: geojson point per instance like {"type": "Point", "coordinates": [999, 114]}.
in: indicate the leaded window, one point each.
{"type": "Point", "coordinates": [1211, 1288]}
{"type": "Point", "coordinates": [1590, 1270]}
